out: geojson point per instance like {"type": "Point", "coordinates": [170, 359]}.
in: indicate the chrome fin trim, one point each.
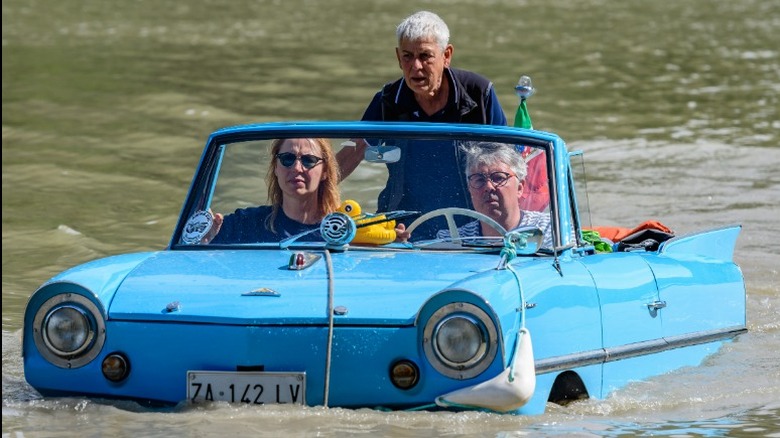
{"type": "Point", "coordinates": [627, 351]}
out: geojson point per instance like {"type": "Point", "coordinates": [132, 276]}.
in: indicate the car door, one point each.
{"type": "Point", "coordinates": [630, 317]}
{"type": "Point", "coordinates": [628, 296]}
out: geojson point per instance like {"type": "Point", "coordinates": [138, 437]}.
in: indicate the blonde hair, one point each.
{"type": "Point", "coordinates": [327, 191]}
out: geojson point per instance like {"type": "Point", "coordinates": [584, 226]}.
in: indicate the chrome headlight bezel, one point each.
{"type": "Point", "coordinates": [481, 334]}
{"type": "Point", "coordinates": [75, 316]}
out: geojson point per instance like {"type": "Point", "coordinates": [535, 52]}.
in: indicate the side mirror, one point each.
{"type": "Point", "coordinates": [524, 240]}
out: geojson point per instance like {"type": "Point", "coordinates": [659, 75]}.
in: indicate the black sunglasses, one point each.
{"type": "Point", "coordinates": [288, 159]}
{"type": "Point", "coordinates": [498, 179]}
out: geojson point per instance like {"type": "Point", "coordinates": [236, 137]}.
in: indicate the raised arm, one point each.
{"type": "Point", "coordinates": [349, 157]}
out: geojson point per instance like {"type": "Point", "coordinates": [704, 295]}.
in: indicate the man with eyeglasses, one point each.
{"type": "Point", "coordinates": [429, 91]}
{"type": "Point", "coordinates": [496, 174]}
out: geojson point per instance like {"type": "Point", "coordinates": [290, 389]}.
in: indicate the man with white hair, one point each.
{"type": "Point", "coordinates": [429, 91]}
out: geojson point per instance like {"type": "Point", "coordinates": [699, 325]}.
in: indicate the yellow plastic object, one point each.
{"type": "Point", "coordinates": [374, 234]}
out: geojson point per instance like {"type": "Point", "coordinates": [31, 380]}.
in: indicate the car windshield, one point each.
{"type": "Point", "coordinates": [280, 191]}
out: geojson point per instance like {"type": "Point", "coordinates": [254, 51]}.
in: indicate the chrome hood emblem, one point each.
{"type": "Point", "coordinates": [262, 292]}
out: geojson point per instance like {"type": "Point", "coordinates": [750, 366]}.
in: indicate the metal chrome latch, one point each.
{"type": "Point", "coordinates": [655, 305]}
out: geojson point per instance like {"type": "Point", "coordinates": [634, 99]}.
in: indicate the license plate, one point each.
{"type": "Point", "coordinates": [247, 387]}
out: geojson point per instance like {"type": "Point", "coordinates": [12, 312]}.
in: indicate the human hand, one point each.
{"type": "Point", "coordinates": [215, 227]}
{"type": "Point", "coordinates": [401, 235]}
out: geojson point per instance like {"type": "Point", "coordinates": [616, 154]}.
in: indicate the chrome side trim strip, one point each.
{"type": "Point", "coordinates": [627, 351]}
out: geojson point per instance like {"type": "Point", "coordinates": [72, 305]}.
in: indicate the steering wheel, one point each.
{"type": "Point", "coordinates": [449, 213]}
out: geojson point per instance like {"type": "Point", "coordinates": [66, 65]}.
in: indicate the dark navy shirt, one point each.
{"type": "Point", "coordinates": [248, 225]}
{"type": "Point", "coordinates": [472, 99]}
{"type": "Point", "coordinates": [429, 175]}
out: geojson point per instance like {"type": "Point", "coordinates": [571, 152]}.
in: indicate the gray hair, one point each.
{"type": "Point", "coordinates": [423, 25]}
{"type": "Point", "coordinates": [488, 153]}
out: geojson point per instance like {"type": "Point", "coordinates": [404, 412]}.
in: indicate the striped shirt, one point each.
{"type": "Point", "coordinates": [536, 219]}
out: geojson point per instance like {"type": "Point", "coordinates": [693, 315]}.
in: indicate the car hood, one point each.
{"type": "Point", "coordinates": [256, 286]}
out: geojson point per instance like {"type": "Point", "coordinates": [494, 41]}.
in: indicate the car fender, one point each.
{"type": "Point", "coordinates": [97, 280]}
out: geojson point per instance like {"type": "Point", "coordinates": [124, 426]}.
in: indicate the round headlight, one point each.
{"type": "Point", "coordinates": [68, 330]}
{"type": "Point", "coordinates": [460, 340]}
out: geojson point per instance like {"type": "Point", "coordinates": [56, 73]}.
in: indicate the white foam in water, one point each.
{"type": "Point", "coordinates": [68, 230]}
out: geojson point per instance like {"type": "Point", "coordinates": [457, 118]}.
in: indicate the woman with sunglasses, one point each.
{"type": "Point", "coordinates": [496, 175]}
{"type": "Point", "coordinates": [302, 183]}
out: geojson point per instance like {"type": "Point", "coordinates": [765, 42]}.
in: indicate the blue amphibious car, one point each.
{"type": "Point", "coordinates": [348, 314]}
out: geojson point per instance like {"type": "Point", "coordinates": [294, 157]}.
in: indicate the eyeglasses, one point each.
{"type": "Point", "coordinates": [498, 179]}
{"type": "Point", "coordinates": [288, 159]}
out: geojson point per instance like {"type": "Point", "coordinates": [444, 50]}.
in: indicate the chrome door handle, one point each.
{"type": "Point", "coordinates": [655, 305]}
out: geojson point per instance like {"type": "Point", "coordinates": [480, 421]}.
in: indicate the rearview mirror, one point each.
{"type": "Point", "coordinates": [382, 154]}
